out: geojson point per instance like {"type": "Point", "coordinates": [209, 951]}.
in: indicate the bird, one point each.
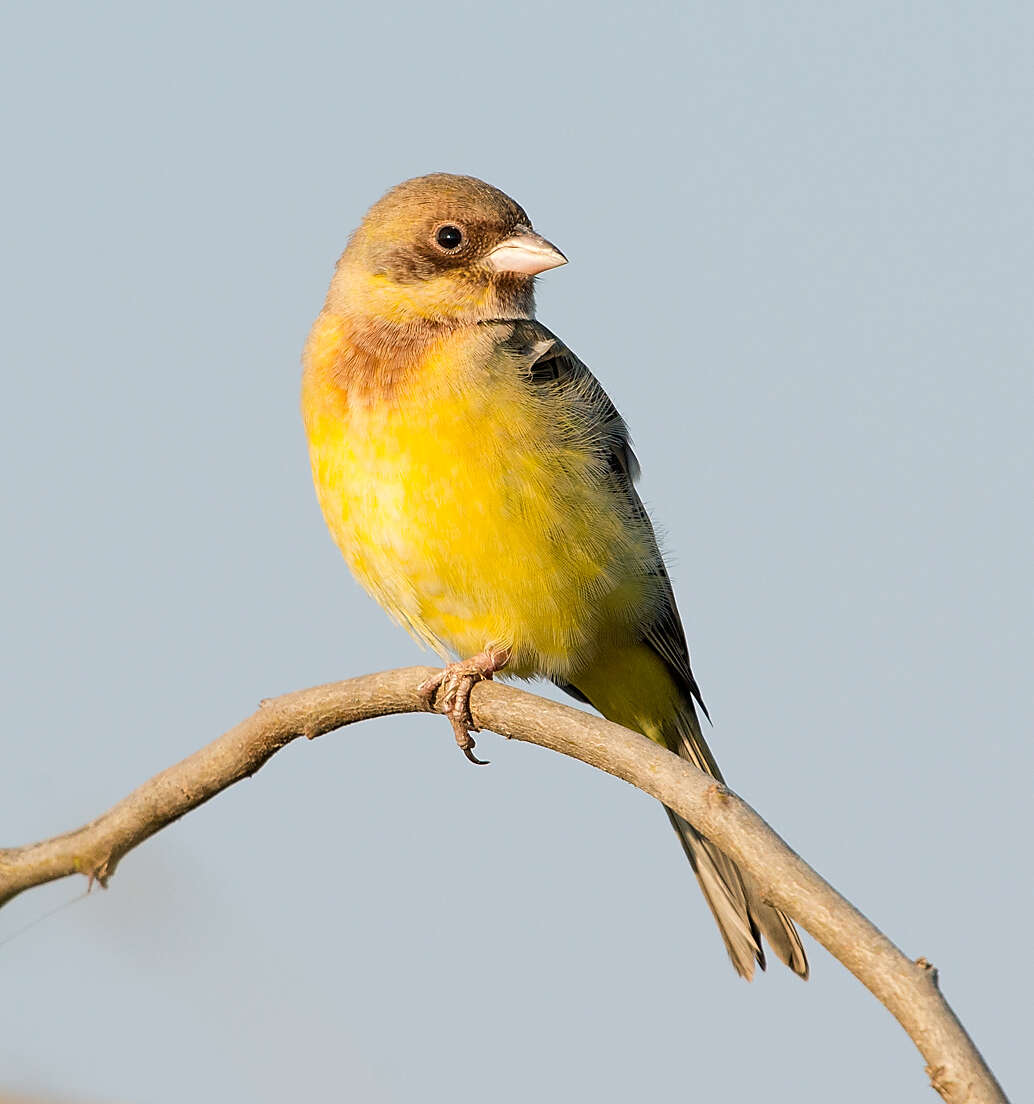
{"type": "Point", "coordinates": [480, 484]}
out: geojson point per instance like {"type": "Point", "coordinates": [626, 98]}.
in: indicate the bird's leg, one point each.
{"type": "Point", "coordinates": [448, 692]}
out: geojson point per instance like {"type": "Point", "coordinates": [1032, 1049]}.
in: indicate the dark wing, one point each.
{"type": "Point", "coordinates": [740, 912]}
{"type": "Point", "coordinates": [551, 364]}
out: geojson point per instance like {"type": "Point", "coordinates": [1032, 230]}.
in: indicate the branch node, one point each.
{"type": "Point", "coordinates": [942, 1084]}
{"type": "Point", "coordinates": [99, 874]}
{"type": "Point", "coordinates": [930, 970]}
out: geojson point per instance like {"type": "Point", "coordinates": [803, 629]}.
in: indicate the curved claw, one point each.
{"type": "Point", "coordinates": [469, 753]}
{"type": "Point", "coordinates": [449, 692]}
{"type": "Point", "coordinates": [464, 740]}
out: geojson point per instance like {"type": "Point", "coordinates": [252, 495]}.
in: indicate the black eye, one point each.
{"type": "Point", "coordinates": [449, 237]}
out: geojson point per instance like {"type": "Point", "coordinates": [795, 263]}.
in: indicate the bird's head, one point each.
{"type": "Point", "coordinates": [445, 250]}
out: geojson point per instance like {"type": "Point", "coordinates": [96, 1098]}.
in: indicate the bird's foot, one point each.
{"type": "Point", "coordinates": [448, 692]}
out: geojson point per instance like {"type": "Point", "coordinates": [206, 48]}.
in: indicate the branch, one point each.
{"type": "Point", "coordinates": [908, 989]}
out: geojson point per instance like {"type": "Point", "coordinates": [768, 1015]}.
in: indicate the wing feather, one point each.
{"type": "Point", "coordinates": [549, 363]}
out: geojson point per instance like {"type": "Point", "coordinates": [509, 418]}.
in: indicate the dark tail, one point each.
{"type": "Point", "coordinates": [741, 915]}
{"type": "Point", "coordinates": [638, 687]}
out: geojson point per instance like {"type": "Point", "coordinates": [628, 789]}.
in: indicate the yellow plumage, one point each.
{"type": "Point", "coordinates": [472, 521]}
{"type": "Point", "coordinates": [479, 483]}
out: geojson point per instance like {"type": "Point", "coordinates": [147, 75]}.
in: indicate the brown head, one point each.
{"type": "Point", "coordinates": [441, 250]}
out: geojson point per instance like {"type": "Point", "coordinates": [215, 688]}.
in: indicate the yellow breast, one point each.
{"type": "Point", "coordinates": [468, 507]}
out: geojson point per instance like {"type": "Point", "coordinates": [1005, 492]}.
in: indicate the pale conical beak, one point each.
{"type": "Point", "coordinates": [525, 252]}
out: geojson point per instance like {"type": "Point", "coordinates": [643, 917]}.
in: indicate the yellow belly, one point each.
{"type": "Point", "coordinates": [472, 514]}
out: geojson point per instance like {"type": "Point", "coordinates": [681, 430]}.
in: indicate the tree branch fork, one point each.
{"type": "Point", "coordinates": [908, 989]}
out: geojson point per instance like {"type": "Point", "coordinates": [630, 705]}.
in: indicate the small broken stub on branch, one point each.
{"type": "Point", "coordinates": [930, 969]}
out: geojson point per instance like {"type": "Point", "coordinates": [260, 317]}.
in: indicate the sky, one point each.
{"type": "Point", "coordinates": [800, 241]}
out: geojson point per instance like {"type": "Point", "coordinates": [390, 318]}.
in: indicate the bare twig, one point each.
{"type": "Point", "coordinates": [908, 989]}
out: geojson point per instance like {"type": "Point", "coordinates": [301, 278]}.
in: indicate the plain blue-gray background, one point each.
{"type": "Point", "coordinates": [800, 240]}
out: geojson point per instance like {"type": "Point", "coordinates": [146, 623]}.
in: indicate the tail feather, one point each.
{"type": "Point", "coordinates": [781, 934]}
{"type": "Point", "coordinates": [724, 892]}
{"type": "Point", "coordinates": [638, 687]}
{"type": "Point", "coordinates": [742, 916]}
